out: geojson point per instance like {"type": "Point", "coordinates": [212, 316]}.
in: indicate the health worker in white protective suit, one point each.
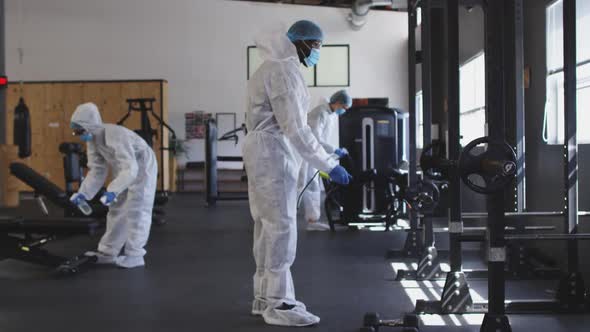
{"type": "Point", "coordinates": [321, 120]}
{"type": "Point", "coordinates": [129, 196]}
{"type": "Point", "coordinates": [278, 135]}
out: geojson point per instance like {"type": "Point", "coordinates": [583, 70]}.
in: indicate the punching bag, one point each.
{"type": "Point", "coordinates": [22, 129]}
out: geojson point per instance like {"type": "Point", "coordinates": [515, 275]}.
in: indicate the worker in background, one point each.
{"type": "Point", "coordinates": [321, 121]}
{"type": "Point", "coordinates": [129, 196]}
{"type": "Point", "coordinates": [278, 136]}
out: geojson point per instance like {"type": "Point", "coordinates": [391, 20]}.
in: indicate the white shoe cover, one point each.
{"type": "Point", "coordinates": [298, 316]}
{"type": "Point", "coordinates": [129, 262]}
{"type": "Point", "coordinates": [100, 257]}
{"type": "Point", "coordinates": [258, 307]}
{"type": "Point", "coordinates": [317, 226]}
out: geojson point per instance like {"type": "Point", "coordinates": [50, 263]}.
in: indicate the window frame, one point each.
{"type": "Point", "coordinates": [480, 108]}
{"type": "Point", "coordinates": [420, 107]}
{"type": "Point", "coordinates": [315, 73]}
{"type": "Point", "coordinates": [552, 132]}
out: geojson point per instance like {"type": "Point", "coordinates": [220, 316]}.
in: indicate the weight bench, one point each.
{"type": "Point", "coordinates": [45, 188]}
{"type": "Point", "coordinates": [23, 239]}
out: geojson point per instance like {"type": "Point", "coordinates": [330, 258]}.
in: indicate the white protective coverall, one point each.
{"type": "Point", "coordinates": [278, 135]}
{"type": "Point", "coordinates": [134, 171]}
{"type": "Point", "coordinates": [321, 121]}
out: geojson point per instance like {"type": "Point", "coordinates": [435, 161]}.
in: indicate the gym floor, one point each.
{"type": "Point", "coordinates": [198, 278]}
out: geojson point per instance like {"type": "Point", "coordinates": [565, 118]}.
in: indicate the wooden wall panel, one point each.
{"type": "Point", "coordinates": [9, 192]}
{"type": "Point", "coordinates": [170, 176]}
{"type": "Point", "coordinates": [52, 103]}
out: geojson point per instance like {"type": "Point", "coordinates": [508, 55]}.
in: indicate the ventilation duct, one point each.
{"type": "Point", "coordinates": [361, 8]}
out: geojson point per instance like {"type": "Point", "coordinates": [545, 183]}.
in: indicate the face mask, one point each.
{"type": "Point", "coordinates": [340, 111]}
{"type": "Point", "coordinates": [86, 137]}
{"type": "Point", "coordinates": [313, 58]}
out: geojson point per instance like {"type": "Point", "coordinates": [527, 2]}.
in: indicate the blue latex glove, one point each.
{"type": "Point", "coordinates": [108, 198]}
{"type": "Point", "coordinates": [339, 175]}
{"type": "Point", "coordinates": [78, 198]}
{"type": "Point", "coordinates": [341, 152]}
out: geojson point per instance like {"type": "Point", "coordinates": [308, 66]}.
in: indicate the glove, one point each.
{"type": "Point", "coordinates": [341, 152]}
{"type": "Point", "coordinates": [108, 198]}
{"type": "Point", "coordinates": [78, 198]}
{"type": "Point", "coordinates": [339, 175]}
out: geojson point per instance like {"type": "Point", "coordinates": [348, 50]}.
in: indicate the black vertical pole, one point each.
{"type": "Point", "coordinates": [413, 245]}
{"type": "Point", "coordinates": [3, 117]}
{"type": "Point", "coordinates": [571, 143]}
{"type": "Point", "coordinates": [517, 56]}
{"type": "Point", "coordinates": [455, 222]}
{"type": "Point", "coordinates": [426, 71]}
{"type": "Point", "coordinates": [498, 74]}
{"type": "Point", "coordinates": [412, 242]}
{"type": "Point", "coordinates": [412, 90]}
{"type": "Point", "coordinates": [571, 292]}
{"type": "Point", "coordinates": [455, 296]}
{"type": "Point", "coordinates": [515, 117]}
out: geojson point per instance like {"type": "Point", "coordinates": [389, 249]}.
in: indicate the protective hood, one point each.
{"type": "Point", "coordinates": [88, 117]}
{"type": "Point", "coordinates": [275, 45]}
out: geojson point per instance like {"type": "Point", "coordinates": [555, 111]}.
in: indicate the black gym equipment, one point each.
{"type": "Point", "coordinates": [372, 323]}
{"type": "Point", "coordinates": [503, 72]}
{"type": "Point", "coordinates": [145, 106]}
{"type": "Point", "coordinates": [211, 158]}
{"type": "Point", "coordinates": [43, 188]}
{"type": "Point", "coordinates": [374, 138]}
{"type": "Point", "coordinates": [486, 172]}
{"type": "Point", "coordinates": [398, 197]}
{"type": "Point", "coordinates": [22, 129]}
{"type": "Point", "coordinates": [23, 239]}
{"type": "Point", "coordinates": [522, 262]}
{"type": "Point", "coordinates": [74, 160]}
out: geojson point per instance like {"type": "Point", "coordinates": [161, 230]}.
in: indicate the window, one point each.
{"type": "Point", "coordinates": [419, 121]}
{"type": "Point", "coordinates": [418, 16]}
{"type": "Point", "coordinates": [472, 94]}
{"type": "Point", "coordinates": [472, 99]}
{"type": "Point", "coordinates": [553, 121]}
{"type": "Point", "coordinates": [333, 70]}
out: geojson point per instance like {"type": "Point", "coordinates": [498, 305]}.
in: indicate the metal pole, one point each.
{"type": "Point", "coordinates": [413, 177]}
{"type": "Point", "coordinates": [426, 71]}
{"type": "Point", "coordinates": [497, 36]}
{"type": "Point", "coordinates": [519, 106]}
{"type": "Point", "coordinates": [455, 222]}
{"type": "Point", "coordinates": [3, 117]}
{"type": "Point", "coordinates": [570, 153]}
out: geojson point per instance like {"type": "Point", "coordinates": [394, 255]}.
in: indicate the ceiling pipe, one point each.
{"type": "Point", "coordinates": [361, 8]}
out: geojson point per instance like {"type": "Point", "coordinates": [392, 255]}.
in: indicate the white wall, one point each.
{"type": "Point", "coordinates": [198, 46]}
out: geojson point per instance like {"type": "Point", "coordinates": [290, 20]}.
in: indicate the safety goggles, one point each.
{"type": "Point", "coordinates": [78, 131]}
{"type": "Point", "coordinates": [313, 44]}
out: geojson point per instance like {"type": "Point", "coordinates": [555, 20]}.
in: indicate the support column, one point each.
{"type": "Point", "coordinates": [498, 36]}
{"type": "Point", "coordinates": [413, 245]}
{"type": "Point", "coordinates": [571, 291]}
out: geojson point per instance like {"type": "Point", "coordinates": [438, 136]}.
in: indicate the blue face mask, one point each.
{"type": "Point", "coordinates": [340, 111]}
{"type": "Point", "coordinates": [313, 58]}
{"type": "Point", "coordinates": [86, 137]}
